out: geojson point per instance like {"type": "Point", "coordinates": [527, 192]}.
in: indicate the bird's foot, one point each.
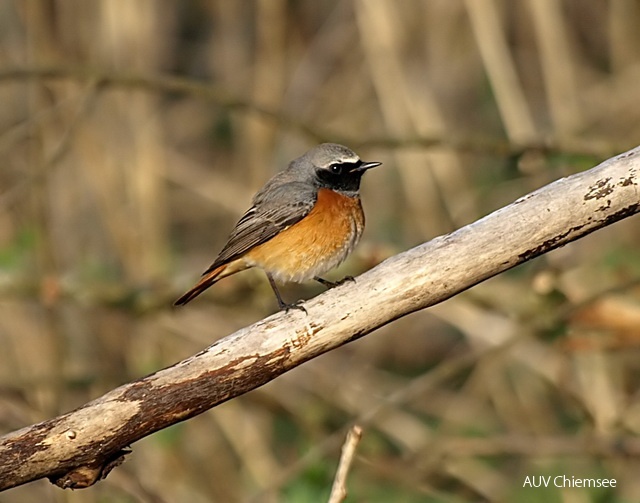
{"type": "Point", "coordinates": [281, 303]}
{"type": "Point", "coordinates": [294, 305]}
{"type": "Point", "coordinates": [333, 284]}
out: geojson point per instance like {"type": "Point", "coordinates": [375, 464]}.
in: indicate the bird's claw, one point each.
{"type": "Point", "coordinates": [333, 284]}
{"type": "Point", "coordinates": [294, 305]}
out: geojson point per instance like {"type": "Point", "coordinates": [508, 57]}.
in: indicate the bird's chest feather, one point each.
{"type": "Point", "coordinates": [319, 242]}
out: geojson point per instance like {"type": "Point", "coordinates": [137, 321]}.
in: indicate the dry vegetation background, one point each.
{"type": "Point", "coordinates": [116, 192]}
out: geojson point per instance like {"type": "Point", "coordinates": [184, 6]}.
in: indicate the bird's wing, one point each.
{"type": "Point", "coordinates": [270, 214]}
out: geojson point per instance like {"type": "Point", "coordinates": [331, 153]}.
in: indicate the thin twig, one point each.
{"type": "Point", "coordinates": [339, 488]}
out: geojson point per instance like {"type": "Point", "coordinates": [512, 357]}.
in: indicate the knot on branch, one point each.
{"type": "Point", "coordinates": [85, 476]}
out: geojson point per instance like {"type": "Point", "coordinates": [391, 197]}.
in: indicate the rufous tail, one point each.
{"type": "Point", "coordinates": [205, 282]}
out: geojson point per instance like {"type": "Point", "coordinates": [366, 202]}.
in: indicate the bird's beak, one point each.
{"type": "Point", "coordinates": [364, 166]}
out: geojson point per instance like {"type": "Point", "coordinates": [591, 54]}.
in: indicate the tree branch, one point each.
{"type": "Point", "coordinates": [339, 488]}
{"type": "Point", "coordinates": [223, 97]}
{"type": "Point", "coordinates": [80, 447]}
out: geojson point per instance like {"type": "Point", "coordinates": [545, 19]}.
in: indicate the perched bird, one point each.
{"type": "Point", "coordinates": [302, 223]}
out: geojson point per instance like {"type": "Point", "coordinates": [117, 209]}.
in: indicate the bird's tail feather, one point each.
{"type": "Point", "coordinates": [205, 282]}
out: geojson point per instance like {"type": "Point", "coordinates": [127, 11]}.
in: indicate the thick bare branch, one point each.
{"type": "Point", "coordinates": [78, 448]}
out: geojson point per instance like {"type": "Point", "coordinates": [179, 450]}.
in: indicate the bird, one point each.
{"type": "Point", "coordinates": [303, 222]}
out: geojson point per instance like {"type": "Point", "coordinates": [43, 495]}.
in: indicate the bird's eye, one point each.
{"type": "Point", "coordinates": [336, 169]}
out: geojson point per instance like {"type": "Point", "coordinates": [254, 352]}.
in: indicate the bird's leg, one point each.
{"type": "Point", "coordinates": [282, 304]}
{"type": "Point", "coordinates": [333, 284]}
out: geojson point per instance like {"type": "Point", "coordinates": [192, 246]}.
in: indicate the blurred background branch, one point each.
{"type": "Point", "coordinates": [208, 92]}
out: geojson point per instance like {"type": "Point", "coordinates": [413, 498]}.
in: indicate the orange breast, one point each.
{"type": "Point", "coordinates": [319, 242]}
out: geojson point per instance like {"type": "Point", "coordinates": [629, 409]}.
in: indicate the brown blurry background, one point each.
{"type": "Point", "coordinates": [135, 141]}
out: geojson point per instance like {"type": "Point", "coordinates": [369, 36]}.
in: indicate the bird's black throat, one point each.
{"type": "Point", "coordinates": [348, 180]}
